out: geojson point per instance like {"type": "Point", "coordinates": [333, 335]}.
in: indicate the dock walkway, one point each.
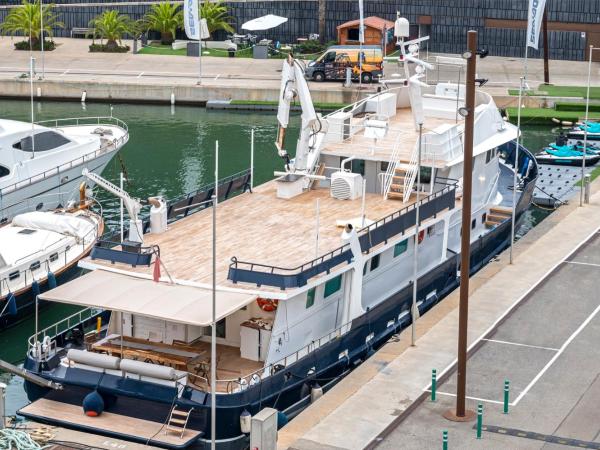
{"type": "Point", "coordinates": [370, 403]}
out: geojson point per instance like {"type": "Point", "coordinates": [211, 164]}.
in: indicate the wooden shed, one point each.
{"type": "Point", "coordinates": [375, 27]}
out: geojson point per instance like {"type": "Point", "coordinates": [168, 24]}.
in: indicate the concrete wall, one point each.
{"type": "Point", "coordinates": [450, 20]}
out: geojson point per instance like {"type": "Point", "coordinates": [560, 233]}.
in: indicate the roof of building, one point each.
{"type": "Point", "coordinates": [371, 21]}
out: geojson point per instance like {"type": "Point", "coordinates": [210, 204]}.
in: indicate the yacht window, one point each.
{"type": "Point", "coordinates": [26, 231]}
{"type": "Point", "coordinates": [53, 257]}
{"type": "Point", "coordinates": [488, 156]}
{"type": "Point", "coordinates": [332, 286]}
{"type": "Point", "coordinates": [365, 269]}
{"type": "Point", "coordinates": [44, 141]}
{"type": "Point", "coordinates": [425, 174]}
{"type": "Point", "coordinates": [4, 172]}
{"type": "Point", "coordinates": [375, 262]}
{"type": "Point", "coordinates": [310, 297]}
{"type": "Point", "coordinates": [34, 266]}
{"type": "Point", "coordinates": [384, 166]}
{"type": "Point", "coordinates": [400, 248]}
{"type": "Point", "coordinates": [483, 217]}
{"type": "Point", "coordinates": [430, 230]}
{"type": "Point", "coordinates": [473, 223]}
{"type": "Point", "coordinates": [14, 275]}
{"type": "Point", "coordinates": [220, 331]}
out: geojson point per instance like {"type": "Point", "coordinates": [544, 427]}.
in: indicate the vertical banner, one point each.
{"type": "Point", "coordinates": [361, 25]}
{"type": "Point", "coordinates": [534, 21]}
{"type": "Point", "coordinates": [190, 19]}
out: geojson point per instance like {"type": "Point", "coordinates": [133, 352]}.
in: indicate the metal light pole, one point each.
{"type": "Point", "coordinates": [213, 337]}
{"type": "Point", "coordinates": [546, 56]}
{"type": "Point", "coordinates": [461, 414]}
{"type": "Point", "coordinates": [585, 128]}
{"type": "Point", "coordinates": [515, 174]}
{"type": "Point", "coordinates": [414, 309]}
{"type": "Point", "coordinates": [42, 35]}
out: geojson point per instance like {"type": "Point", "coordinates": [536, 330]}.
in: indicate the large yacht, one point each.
{"type": "Point", "coordinates": [314, 269]}
{"type": "Point", "coordinates": [41, 164]}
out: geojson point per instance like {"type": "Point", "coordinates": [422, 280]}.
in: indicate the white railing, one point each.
{"type": "Point", "coordinates": [62, 326]}
{"type": "Point", "coordinates": [411, 173]}
{"type": "Point", "coordinates": [391, 169]}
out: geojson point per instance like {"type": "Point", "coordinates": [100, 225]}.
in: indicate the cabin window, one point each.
{"type": "Point", "coordinates": [14, 275]}
{"type": "Point", "coordinates": [53, 257]}
{"type": "Point", "coordinates": [4, 172]}
{"type": "Point", "coordinates": [358, 166]}
{"type": "Point", "coordinates": [44, 141]}
{"type": "Point", "coordinates": [375, 262]}
{"type": "Point", "coordinates": [310, 297]}
{"type": "Point", "coordinates": [425, 174]}
{"type": "Point", "coordinates": [384, 166]}
{"type": "Point", "coordinates": [26, 231]}
{"type": "Point", "coordinates": [430, 230]}
{"type": "Point", "coordinates": [400, 248]}
{"type": "Point", "coordinates": [488, 156]}
{"type": "Point", "coordinates": [220, 331]}
{"type": "Point", "coordinates": [365, 269]}
{"type": "Point", "coordinates": [483, 217]}
{"type": "Point", "coordinates": [35, 266]}
{"type": "Point", "coordinates": [473, 224]}
{"type": "Point", "coordinates": [332, 286]}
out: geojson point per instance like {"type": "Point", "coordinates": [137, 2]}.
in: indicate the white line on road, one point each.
{"type": "Point", "coordinates": [583, 263]}
{"type": "Point", "coordinates": [217, 77]}
{"type": "Point", "coordinates": [65, 72]}
{"type": "Point", "coordinates": [140, 75]}
{"type": "Point", "coordinates": [555, 357]}
{"type": "Point", "coordinates": [477, 399]}
{"type": "Point", "coordinates": [521, 345]}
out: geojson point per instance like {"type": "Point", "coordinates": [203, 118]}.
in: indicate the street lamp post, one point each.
{"type": "Point", "coordinates": [585, 127]}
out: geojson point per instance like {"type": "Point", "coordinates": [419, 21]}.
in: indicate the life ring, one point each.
{"type": "Point", "coordinates": [421, 236]}
{"type": "Point", "coordinates": [267, 304]}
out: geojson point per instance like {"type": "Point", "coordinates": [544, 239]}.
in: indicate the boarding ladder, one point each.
{"type": "Point", "coordinates": [400, 177]}
{"type": "Point", "coordinates": [178, 420]}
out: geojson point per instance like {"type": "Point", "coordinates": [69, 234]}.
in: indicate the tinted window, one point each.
{"type": "Point", "coordinates": [400, 248]}
{"type": "Point", "coordinates": [332, 286]}
{"type": "Point", "coordinates": [329, 57]}
{"type": "Point", "coordinates": [374, 262]}
{"type": "Point", "coordinates": [46, 140]}
{"type": "Point", "coordinates": [353, 34]}
{"type": "Point", "coordinates": [4, 171]}
{"type": "Point", "coordinates": [310, 297]}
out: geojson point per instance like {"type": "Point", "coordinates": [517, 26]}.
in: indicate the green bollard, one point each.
{"type": "Point", "coordinates": [506, 394]}
{"type": "Point", "coordinates": [479, 420]}
{"type": "Point", "coordinates": [445, 440]}
{"type": "Point", "coordinates": [433, 384]}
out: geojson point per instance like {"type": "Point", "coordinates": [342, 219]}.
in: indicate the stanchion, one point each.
{"type": "Point", "coordinates": [479, 420]}
{"type": "Point", "coordinates": [445, 440]}
{"type": "Point", "coordinates": [433, 384]}
{"type": "Point", "coordinates": [506, 395]}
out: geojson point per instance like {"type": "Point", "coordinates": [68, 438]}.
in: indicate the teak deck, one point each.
{"type": "Point", "coordinates": [72, 416]}
{"type": "Point", "coordinates": [260, 228]}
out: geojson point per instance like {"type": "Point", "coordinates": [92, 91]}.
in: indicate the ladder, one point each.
{"type": "Point", "coordinates": [178, 420]}
{"type": "Point", "coordinates": [400, 177]}
{"type": "Point", "coordinates": [497, 215]}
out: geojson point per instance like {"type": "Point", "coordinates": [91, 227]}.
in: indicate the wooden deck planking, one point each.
{"type": "Point", "coordinates": [107, 422]}
{"type": "Point", "coordinates": [257, 227]}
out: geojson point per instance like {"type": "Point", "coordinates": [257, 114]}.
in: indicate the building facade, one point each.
{"type": "Point", "coordinates": [573, 24]}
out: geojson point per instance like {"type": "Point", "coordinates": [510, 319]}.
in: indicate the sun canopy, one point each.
{"type": "Point", "coordinates": [174, 303]}
{"type": "Point", "coordinates": [264, 23]}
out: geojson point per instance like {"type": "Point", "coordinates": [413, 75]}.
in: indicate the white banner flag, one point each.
{"type": "Point", "coordinates": [534, 21]}
{"type": "Point", "coordinates": [190, 19]}
{"type": "Point", "coordinates": [361, 25]}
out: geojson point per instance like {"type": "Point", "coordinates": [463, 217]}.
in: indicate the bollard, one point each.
{"type": "Point", "coordinates": [506, 392]}
{"type": "Point", "coordinates": [479, 420]}
{"type": "Point", "coordinates": [348, 82]}
{"type": "Point", "coordinates": [445, 440]}
{"type": "Point", "coordinates": [98, 325]}
{"type": "Point", "coordinates": [586, 188]}
{"type": "Point", "coordinates": [2, 412]}
{"type": "Point", "coordinates": [433, 384]}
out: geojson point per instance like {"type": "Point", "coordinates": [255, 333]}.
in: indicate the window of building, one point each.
{"type": "Point", "coordinates": [44, 141]}
{"type": "Point", "coordinates": [332, 286]}
{"type": "Point", "coordinates": [375, 262]}
{"type": "Point", "coordinates": [310, 297]}
{"type": "Point", "coordinates": [400, 248]}
{"type": "Point", "coordinates": [353, 34]}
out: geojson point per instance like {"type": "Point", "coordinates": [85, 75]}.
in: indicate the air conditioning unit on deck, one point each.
{"type": "Point", "coordinates": [346, 185]}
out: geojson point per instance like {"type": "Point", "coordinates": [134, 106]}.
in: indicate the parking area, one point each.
{"type": "Point", "coordinates": [548, 350]}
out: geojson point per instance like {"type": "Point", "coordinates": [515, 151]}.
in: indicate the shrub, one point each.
{"type": "Point", "coordinates": [37, 45]}
{"type": "Point", "coordinates": [104, 48]}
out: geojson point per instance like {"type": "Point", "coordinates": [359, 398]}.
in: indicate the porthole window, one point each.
{"type": "Point", "coordinates": [53, 257]}
{"type": "Point", "coordinates": [14, 275]}
{"type": "Point", "coordinates": [35, 266]}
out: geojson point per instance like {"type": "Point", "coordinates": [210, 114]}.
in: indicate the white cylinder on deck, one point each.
{"type": "Point", "coordinates": [83, 96]}
{"type": "Point", "coordinates": [316, 393]}
{"type": "Point", "coordinates": [136, 231]}
{"type": "Point", "coordinates": [172, 98]}
{"type": "Point", "coordinates": [39, 91]}
{"type": "Point", "coordinates": [158, 217]}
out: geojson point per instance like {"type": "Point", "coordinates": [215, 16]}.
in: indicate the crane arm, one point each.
{"type": "Point", "coordinates": [132, 205]}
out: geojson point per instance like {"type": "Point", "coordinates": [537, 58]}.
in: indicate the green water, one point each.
{"type": "Point", "coordinates": [171, 152]}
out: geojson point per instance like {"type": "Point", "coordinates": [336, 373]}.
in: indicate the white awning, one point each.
{"type": "Point", "coordinates": [173, 303]}
{"type": "Point", "coordinates": [264, 23]}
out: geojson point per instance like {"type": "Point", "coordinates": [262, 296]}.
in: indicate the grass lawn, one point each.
{"type": "Point", "coordinates": [560, 91]}
{"type": "Point", "coordinates": [593, 174]}
{"type": "Point", "coordinates": [534, 116]}
{"type": "Point", "coordinates": [159, 49]}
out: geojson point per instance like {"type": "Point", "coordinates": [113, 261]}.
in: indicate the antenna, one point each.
{"type": "Point", "coordinates": [31, 62]}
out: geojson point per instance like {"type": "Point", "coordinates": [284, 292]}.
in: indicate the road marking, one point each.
{"type": "Point", "coordinates": [583, 263]}
{"type": "Point", "coordinates": [477, 399]}
{"type": "Point", "coordinates": [556, 355]}
{"type": "Point", "coordinates": [217, 77]}
{"type": "Point", "coordinates": [65, 72]}
{"type": "Point", "coordinates": [521, 345]}
{"type": "Point", "coordinates": [140, 75]}
{"type": "Point", "coordinates": [549, 438]}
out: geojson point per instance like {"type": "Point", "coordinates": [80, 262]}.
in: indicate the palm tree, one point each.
{"type": "Point", "coordinates": [26, 19]}
{"type": "Point", "coordinates": [216, 15]}
{"type": "Point", "coordinates": [164, 17]}
{"type": "Point", "coordinates": [112, 26]}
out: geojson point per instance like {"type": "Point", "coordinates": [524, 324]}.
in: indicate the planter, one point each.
{"type": "Point", "coordinates": [37, 45]}
{"type": "Point", "coordinates": [98, 48]}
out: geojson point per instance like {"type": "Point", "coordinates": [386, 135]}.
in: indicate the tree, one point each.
{"type": "Point", "coordinates": [112, 26]}
{"type": "Point", "coordinates": [322, 20]}
{"type": "Point", "coordinates": [26, 19]}
{"type": "Point", "coordinates": [216, 15]}
{"type": "Point", "coordinates": [164, 17]}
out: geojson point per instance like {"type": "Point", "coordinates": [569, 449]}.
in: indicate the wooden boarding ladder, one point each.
{"type": "Point", "coordinates": [400, 177]}
{"type": "Point", "coordinates": [178, 420]}
{"type": "Point", "coordinates": [497, 215]}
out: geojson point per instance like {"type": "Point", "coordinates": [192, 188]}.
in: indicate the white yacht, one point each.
{"type": "Point", "coordinates": [41, 164]}
{"type": "Point", "coordinates": [314, 270]}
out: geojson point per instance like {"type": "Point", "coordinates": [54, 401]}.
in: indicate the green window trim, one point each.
{"type": "Point", "coordinates": [400, 248]}
{"type": "Point", "coordinates": [310, 297]}
{"type": "Point", "coordinates": [332, 286]}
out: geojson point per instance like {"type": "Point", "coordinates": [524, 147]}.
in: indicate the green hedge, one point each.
{"type": "Point", "coordinates": [24, 45]}
{"type": "Point", "coordinates": [544, 116]}
{"type": "Point", "coordinates": [575, 107]}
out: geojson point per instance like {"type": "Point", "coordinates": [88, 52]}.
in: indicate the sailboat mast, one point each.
{"type": "Point", "coordinates": [31, 61]}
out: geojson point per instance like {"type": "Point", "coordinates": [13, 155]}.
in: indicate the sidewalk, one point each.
{"type": "Point", "coordinates": [391, 383]}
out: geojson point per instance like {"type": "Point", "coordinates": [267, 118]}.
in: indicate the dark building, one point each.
{"type": "Point", "coordinates": [573, 24]}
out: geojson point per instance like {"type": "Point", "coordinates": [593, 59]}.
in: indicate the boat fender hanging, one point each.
{"type": "Point", "coordinates": [12, 304]}
{"type": "Point", "coordinates": [93, 404]}
{"type": "Point", "coordinates": [316, 393]}
{"type": "Point", "coordinates": [304, 390]}
{"type": "Point", "coordinates": [282, 420]}
{"type": "Point", "coordinates": [245, 421]}
{"type": "Point", "coordinates": [267, 304]}
{"type": "Point", "coordinates": [421, 236]}
{"type": "Point", "coordinates": [35, 288]}
{"type": "Point", "coordinates": [46, 344]}
{"type": "Point", "coordinates": [51, 280]}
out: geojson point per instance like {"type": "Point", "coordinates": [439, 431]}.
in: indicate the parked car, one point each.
{"type": "Point", "coordinates": [332, 64]}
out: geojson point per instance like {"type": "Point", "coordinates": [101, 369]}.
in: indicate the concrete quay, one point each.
{"type": "Point", "coordinates": [534, 322]}
{"type": "Point", "coordinates": [127, 77]}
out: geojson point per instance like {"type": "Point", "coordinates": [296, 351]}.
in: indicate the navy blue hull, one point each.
{"type": "Point", "coordinates": [289, 387]}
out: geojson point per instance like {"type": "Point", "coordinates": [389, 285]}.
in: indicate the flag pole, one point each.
{"type": "Point", "coordinates": [585, 127]}
{"type": "Point", "coordinates": [516, 168]}
{"type": "Point", "coordinates": [213, 340]}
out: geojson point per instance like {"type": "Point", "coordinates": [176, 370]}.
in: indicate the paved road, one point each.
{"type": "Point", "coordinates": [547, 348]}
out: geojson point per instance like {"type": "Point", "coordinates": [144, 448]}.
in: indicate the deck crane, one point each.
{"type": "Point", "coordinates": [133, 205]}
{"type": "Point", "coordinates": [293, 84]}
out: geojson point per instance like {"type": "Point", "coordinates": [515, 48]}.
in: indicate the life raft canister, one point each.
{"type": "Point", "coordinates": [267, 304]}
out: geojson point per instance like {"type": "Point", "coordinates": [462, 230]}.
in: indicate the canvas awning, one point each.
{"type": "Point", "coordinates": [174, 303]}
{"type": "Point", "coordinates": [264, 23]}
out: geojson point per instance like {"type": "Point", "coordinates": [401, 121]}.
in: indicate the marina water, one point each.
{"type": "Point", "coordinates": [171, 153]}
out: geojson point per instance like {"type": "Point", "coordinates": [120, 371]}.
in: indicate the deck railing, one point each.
{"type": "Point", "coordinates": [371, 236]}
{"type": "Point", "coordinates": [62, 326]}
{"type": "Point", "coordinates": [72, 122]}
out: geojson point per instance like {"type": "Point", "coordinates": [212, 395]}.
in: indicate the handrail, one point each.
{"type": "Point", "coordinates": [393, 164]}
{"type": "Point", "coordinates": [45, 332]}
